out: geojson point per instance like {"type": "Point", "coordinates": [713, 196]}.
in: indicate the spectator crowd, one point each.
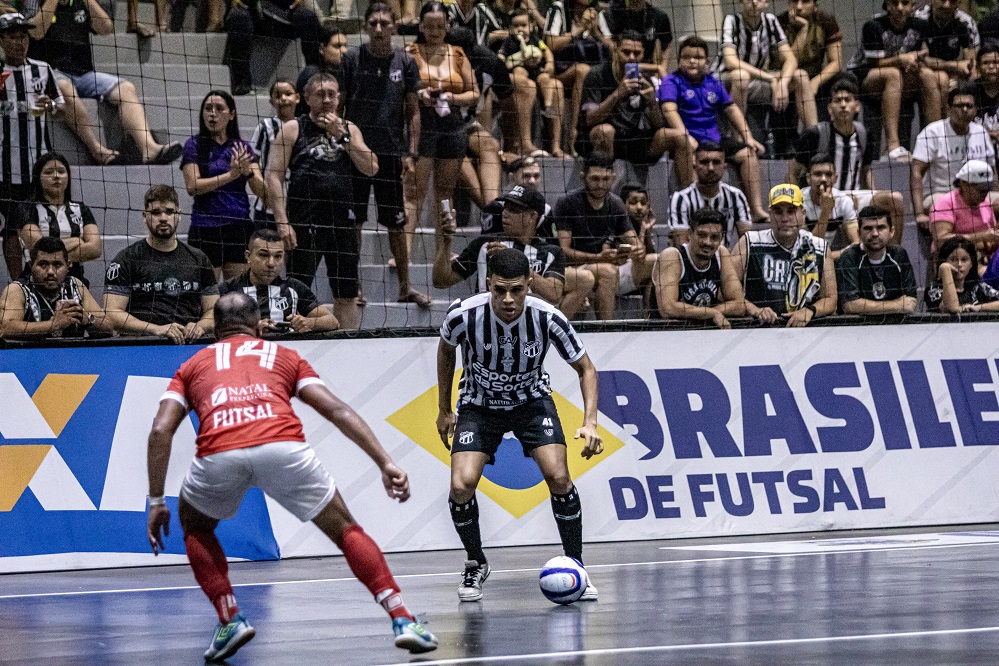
{"type": "Point", "coordinates": [486, 98]}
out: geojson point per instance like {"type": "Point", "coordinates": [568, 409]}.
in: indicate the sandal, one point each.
{"type": "Point", "coordinates": [167, 154]}
{"type": "Point", "coordinates": [540, 153]}
{"type": "Point", "coordinates": [114, 158]}
{"type": "Point", "coordinates": [421, 300]}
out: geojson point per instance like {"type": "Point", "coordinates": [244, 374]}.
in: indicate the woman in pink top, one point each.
{"type": "Point", "coordinates": [966, 211]}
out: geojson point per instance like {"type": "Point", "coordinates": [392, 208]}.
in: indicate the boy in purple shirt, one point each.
{"type": "Point", "coordinates": [691, 100]}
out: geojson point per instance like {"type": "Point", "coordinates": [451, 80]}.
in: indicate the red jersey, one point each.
{"type": "Point", "coordinates": [241, 390]}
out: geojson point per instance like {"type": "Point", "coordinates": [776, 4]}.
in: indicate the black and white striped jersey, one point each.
{"type": "Point", "coordinates": [263, 136]}
{"type": "Point", "coordinates": [25, 136]}
{"type": "Point", "coordinates": [278, 301]}
{"type": "Point", "coordinates": [754, 47]}
{"type": "Point", "coordinates": [503, 364]}
{"type": "Point", "coordinates": [730, 201]}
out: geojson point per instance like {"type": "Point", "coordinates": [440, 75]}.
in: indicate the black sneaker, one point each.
{"type": "Point", "coordinates": [471, 581]}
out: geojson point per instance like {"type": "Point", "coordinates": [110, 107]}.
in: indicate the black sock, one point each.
{"type": "Point", "coordinates": [569, 518]}
{"type": "Point", "coordinates": [466, 522]}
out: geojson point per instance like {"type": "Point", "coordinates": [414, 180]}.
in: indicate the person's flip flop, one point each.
{"type": "Point", "coordinates": [421, 300]}
{"type": "Point", "coordinates": [168, 154]}
{"type": "Point", "coordinates": [115, 159]}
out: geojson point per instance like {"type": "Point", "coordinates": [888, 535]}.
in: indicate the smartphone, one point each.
{"type": "Point", "coordinates": [282, 327]}
{"type": "Point", "coordinates": [624, 248]}
{"type": "Point", "coordinates": [632, 70]}
{"type": "Point", "coordinates": [446, 206]}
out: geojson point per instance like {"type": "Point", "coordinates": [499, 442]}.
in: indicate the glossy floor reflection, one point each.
{"type": "Point", "coordinates": [901, 597]}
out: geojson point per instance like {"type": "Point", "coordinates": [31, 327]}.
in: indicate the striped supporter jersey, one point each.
{"type": "Point", "coordinates": [503, 364]}
{"type": "Point", "coordinates": [23, 135]}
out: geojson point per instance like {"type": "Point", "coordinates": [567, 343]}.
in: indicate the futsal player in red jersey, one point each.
{"type": "Point", "coordinates": [241, 390]}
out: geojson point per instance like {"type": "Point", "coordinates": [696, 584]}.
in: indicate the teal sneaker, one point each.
{"type": "Point", "coordinates": [413, 636]}
{"type": "Point", "coordinates": [229, 638]}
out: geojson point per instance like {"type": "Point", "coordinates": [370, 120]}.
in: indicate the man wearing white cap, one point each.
{"type": "Point", "coordinates": [966, 211]}
{"type": "Point", "coordinates": [786, 271]}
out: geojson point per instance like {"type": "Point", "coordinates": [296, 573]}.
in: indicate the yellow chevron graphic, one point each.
{"type": "Point", "coordinates": [59, 396]}
{"type": "Point", "coordinates": [18, 465]}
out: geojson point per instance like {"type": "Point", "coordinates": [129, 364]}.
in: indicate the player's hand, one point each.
{"type": "Point", "coordinates": [396, 482]}
{"type": "Point", "coordinates": [175, 332]}
{"type": "Point", "coordinates": [798, 318]}
{"type": "Point", "coordinates": [288, 235]}
{"type": "Point", "coordinates": [592, 444]}
{"type": "Point", "coordinates": [159, 517]}
{"type": "Point", "coordinates": [765, 316]}
{"type": "Point", "coordinates": [301, 324]}
{"type": "Point", "coordinates": [445, 426]}
{"type": "Point", "coordinates": [193, 331]}
{"type": "Point", "coordinates": [720, 320]}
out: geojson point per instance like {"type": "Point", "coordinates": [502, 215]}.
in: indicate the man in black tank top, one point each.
{"type": "Point", "coordinates": [316, 218]}
{"type": "Point", "coordinates": [697, 280]}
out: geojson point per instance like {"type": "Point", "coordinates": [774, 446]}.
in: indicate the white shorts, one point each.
{"type": "Point", "coordinates": [289, 472]}
{"type": "Point", "coordinates": [862, 198]}
{"type": "Point", "coordinates": [626, 281]}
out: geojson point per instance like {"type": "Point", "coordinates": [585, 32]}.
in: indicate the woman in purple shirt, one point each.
{"type": "Point", "coordinates": [217, 166]}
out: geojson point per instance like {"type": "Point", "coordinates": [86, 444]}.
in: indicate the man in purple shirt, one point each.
{"type": "Point", "coordinates": [691, 100]}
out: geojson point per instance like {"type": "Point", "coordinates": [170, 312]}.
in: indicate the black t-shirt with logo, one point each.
{"type": "Point", "coordinates": [374, 93]}
{"type": "Point", "coordinates": [652, 24]}
{"type": "Point", "coordinates": [66, 44]}
{"type": "Point", "coordinates": [163, 287]}
{"type": "Point", "coordinates": [860, 278]}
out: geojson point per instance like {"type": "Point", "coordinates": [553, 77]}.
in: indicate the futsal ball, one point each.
{"type": "Point", "coordinates": [563, 580]}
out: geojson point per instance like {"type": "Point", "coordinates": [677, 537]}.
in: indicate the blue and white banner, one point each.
{"type": "Point", "coordinates": [706, 433]}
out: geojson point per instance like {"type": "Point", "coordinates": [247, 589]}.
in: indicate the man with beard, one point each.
{"type": "Point", "coordinates": [160, 286]}
{"type": "Point", "coordinates": [786, 272]}
{"type": "Point", "coordinates": [48, 302]}
{"type": "Point", "coordinates": [696, 280]}
{"type": "Point", "coordinates": [708, 191]}
{"type": "Point", "coordinates": [875, 277]}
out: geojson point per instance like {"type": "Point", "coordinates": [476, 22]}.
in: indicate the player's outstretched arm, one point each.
{"type": "Point", "coordinates": [351, 424]}
{"type": "Point", "coordinates": [446, 360]}
{"type": "Point", "coordinates": [592, 444]}
{"type": "Point", "coordinates": [168, 419]}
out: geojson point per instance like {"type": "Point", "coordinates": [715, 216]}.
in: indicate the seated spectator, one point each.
{"type": "Point", "coordinates": [747, 64]}
{"type": "Point", "coordinates": [696, 280]}
{"type": "Point", "coordinates": [522, 208]}
{"type": "Point", "coordinates": [479, 17]}
{"type": "Point", "coordinates": [845, 139]}
{"type": "Point", "coordinates": [951, 42]}
{"type": "Point", "coordinates": [332, 48]}
{"type": "Point", "coordinates": [286, 305]}
{"type": "Point", "coordinates": [636, 273]}
{"type": "Point", "coordinates": [284, 100]}
{"type": "Point", "coordinates": [218, 165]}
{"type": "Point", "coordinates": [941, 150]}
{"type": "Point", "coordinates": [525, 172]}
{"type": "Point", "coordinates": [620, 115]}
{"type": "Point", "coordinates": [61, 31]}
{"type": "Point", "coordinates": [988, 27]}
{"type": "Point", "coordinates": [890, 66]}
{"type": "Point", "coordinates": [532, 65]}
{"type": "Point", "coordinates": [966, 211]}
{"type": "Point", "coordinates": [51, 212]}
{"type": "Point", "coordinates": [577, 42]}
{"type": "Point", "coordinates": [786, 271]}
{"type": "Point", "coordinates": [159, 285]}
{"type": "Point", "coordinates": [289, 19]}
{"type": "Point", "coordinates": [987, 89]}
{"type": "Point", "coordinates": [651, 24]}
{"type": "Point", "coordinates": [875, 276]}
{"type": "Point", "coordinates": [48, 302]}
{"type": "Point", "coordinates": [592, 227]}
{"type": "Point", "coordinates": [316, 218]}
{"type": "Point", "coordinates": [829, 213]}
{"type": "Point", "coordinates": [817, 43]}
{"type": "Point", "coordinates": [957, 287]}
{"type": "Point", "coordinates": [708, 191]}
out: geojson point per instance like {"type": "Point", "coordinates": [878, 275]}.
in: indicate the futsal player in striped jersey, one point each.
{"type": "Point", "coordinates": [504, 335]}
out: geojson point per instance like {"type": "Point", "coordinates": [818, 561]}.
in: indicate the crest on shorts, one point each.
{"type": "Point", "coordinates": [466, 438]}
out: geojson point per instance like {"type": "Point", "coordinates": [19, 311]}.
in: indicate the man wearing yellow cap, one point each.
{"type": "Point", "coordinates": [786, 271]}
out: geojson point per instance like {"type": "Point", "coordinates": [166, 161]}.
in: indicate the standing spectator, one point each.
{"type": "Point", "coordinates": [290, 19]}
{"type": "Point", "coordinates": [380, 85]}
{"type": "Point", "coordinates": [218, 165]}
{"type": "Point", "coordinates": [829, 213]}
{"type": "Point", "coordinates": [636, 273]}
{"type": "Point", "coordinates": [448, 86]}
{"type": "Point", "coordinates": [51, 212]}
{"type": "Point", "coordinates": [875, 276]}
{"type": "Point", "coordinates": [48, 301]}
{"type": "Point", "coordinates": [708, 191]}
{"type": "Point", "coordinates": [286, 305]}
{"type": "Point", "coordinates": [951, 40]}
{"type": "Point", "coordinates": [284, 100]}
{"type": "Point", "coordinates": [845, 140]}
{"type": "Point", "coordinates": [621, 117]}
{"type": "Point", "coordinates": [158, 285]}
{"type": "Point", "coordinates": [987, 89]}
{"type": "Point", "coordinates": [747, 64]}
{"type": "Point", "coordinates": [651, 24]}
{"type": "Point", "coordinates": [61, 30]}
{"type": "Point", "coordinates": [696, 280]}
{"type": "Point", "coordinates": [957, 287]}
{"type": "Point", "coordinates": [332, 48]}
{"type": "Point", "coordinates": [28, 93]}
{"type": "Point", "coordinates": [316, 218]}
{"type": "Point", "coordinates": [965, 211]}
{"type": "Point", "coordinates": [817, 42]}
{"type": "Point", "coordinates": [786, 271]}
{"type": "Point", "coordinates": [692, 99]}
{"type": "Point", "coordinates": [595, 234]}
{"type": "Point", "coordinates": [890, 66]}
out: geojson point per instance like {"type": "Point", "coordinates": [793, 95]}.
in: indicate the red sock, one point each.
{"type": "Point", "coordinates": [211, 570]}
{"type": "Point", "coordinates": [368, 564]}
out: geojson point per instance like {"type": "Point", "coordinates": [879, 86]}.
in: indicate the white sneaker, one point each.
{"type": "Point", "coordinates": [590, 593]}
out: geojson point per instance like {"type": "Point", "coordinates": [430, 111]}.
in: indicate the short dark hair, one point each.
{"type": "Point", "coordinates": [378, 7]}
{"type": "Point", "coordinates": [274, 85]}
{"type": "Point", "coordinates": [235, 310]}
{"type": "Point", "coordinates": [319, 79]}
{"type": "Point", "coordinates": [821, 158]}
{"type": "Point", "coordinates": [709, 147]}
{"type": "Point", "coordinates": [845, 84]}
{"type": "Point", "coordinates": [693, 42]}
{"type": "Point", "coordinates": [962, 89]}
{"type": "Point", "coordinates": [48, 245]}
{"type": "Point", "coordinates": [36, 173]}
{"type": "Point", "coordinates": [327, 31]}
{"type": "Point", "coordinates": [160, 193]}
{"type": "Point", "coordinates": [707, 215]}
{"type": "Point", "coordinates": [873, 213]}
{"type": "Point", "coordinates": [631, 36]}
{"type": "Point", "coordinates": [521, 163]}
{"type": "Point", "coordinates": [520, 11]}
{"type": "Point", "coordinates": [597, 160]}
{"type": "Point", "coordinates": [266, 235]}
{"type": "Point", "coordinates": [632, 188]}
{"type": "Point", "coordinates": [509, 264]}
{"type": "Point", "coordinates": [988, 46]}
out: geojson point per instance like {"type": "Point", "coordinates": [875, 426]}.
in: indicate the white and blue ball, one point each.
{"type": "Point", "coordinates": [563, 580]}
